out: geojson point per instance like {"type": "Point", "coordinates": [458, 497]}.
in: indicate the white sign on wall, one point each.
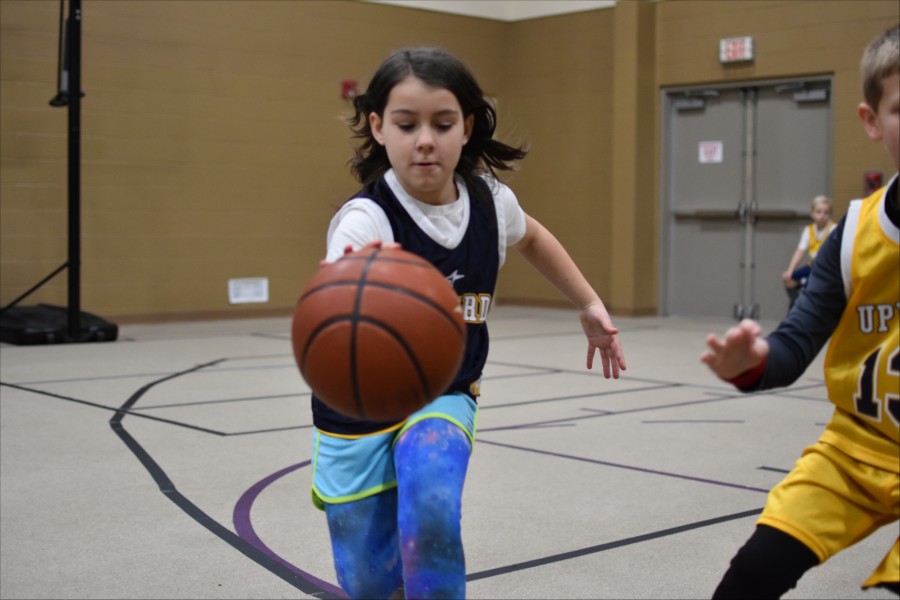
{"type": "Point", "coordinates": [711, 152]}
{"type": "Point", "coordinates": [245, 290]}
{"type": "Point", "coordinates": [736, 49]}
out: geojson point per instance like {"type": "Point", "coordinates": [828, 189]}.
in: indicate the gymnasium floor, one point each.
{"type": "Point", "coordinates": [174, 463]}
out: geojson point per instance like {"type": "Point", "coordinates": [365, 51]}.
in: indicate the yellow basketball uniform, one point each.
{"type": "Point", "coordinates": [847, 485]}
{"type": "Point", "coordinates": [815, 242]}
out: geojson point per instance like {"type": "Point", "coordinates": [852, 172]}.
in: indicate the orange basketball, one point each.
{"type": "Point", "coordinates": [378, 334]}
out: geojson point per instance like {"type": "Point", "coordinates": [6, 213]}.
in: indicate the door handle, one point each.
{"type": "Point", "coordinates": [713, 214]}
{"type": "Point", "coordinates": [774, 214]}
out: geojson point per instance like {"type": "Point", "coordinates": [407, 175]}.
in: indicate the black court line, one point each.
{"type": "Point", "coordinates": [188, 337]}
{"type": "Point", "coordinates": [581, 372]}
{"type": "Point", "coordinates": [675, 421]}
{"type": "Point", "coordinates": [158, 374]}
{"type": "Point", "coordinates": [775, 469]}
{"type": "Point", "coordinates": [97, 378]}
{"type": "Point", "coordinates": [715, 397]}
{"type": "Point", "coordinates": [112, 408]}
{"type": "Point", "coordinates": [52, 395]}
{"type": "Point", "coordinates": [595, 414]}
{"type": "Point", "coordinates": [555, 558]}
{"type": "Point", "coordinates": [521, 375]}
{"type": "Point", "coordinates": [529, 336]}
{"type": "Point", "coordinates": [269, 430]}
{"type": "Point", "coordinates": [137, 412]}
{"type": "Point", "coordinates": [714, 384]}
{"type": "Point", "coordinates": [574, 333]}
{"type": "Point", "coordinates": [223, 401]}
{"type": "Point", "coordinates": [292, 365]}
{"type": "Point", "coordinates": [297, 579]}
{"type": "Point", "coordinates": [547, 425]}
{"type": "Point", "coordinates": [605, 463]}
{"type": "Point", "coordinates": [260, 356]}
{"type": "Point", "coordinates": [819, 398]}
{"type": "Point", "coordinates": [597, 394]}
{"type": "Point", "coordinates": [596, 411]}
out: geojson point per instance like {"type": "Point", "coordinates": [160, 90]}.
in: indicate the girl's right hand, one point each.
{"type": "Point", "coordinates": [602, 335]}
{"type": "Point", "coordinates": [348, 249]}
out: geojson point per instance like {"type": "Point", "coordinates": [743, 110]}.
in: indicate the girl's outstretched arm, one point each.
{"type": "Point", "coordinates": [547, 255]}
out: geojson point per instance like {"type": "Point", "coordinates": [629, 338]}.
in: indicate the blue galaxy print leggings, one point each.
{"type": "Point", "coordinates": [408, 536]}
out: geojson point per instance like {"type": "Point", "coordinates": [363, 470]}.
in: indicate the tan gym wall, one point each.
{"type": "Point", "coordinates": [213, 146]}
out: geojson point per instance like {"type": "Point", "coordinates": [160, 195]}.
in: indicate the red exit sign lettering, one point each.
{"type": "Point", "coordinates": [735, 49]}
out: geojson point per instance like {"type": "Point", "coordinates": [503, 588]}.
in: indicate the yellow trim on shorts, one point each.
{"type": "Point", "coordinates": [439, 415]}
{"type": "Point", "coordinates": [356, 436]}
{"type": "Point", "coordinates": [319, 503]}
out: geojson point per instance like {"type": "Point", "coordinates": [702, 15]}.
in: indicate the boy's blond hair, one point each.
{"type": "Point", "coordinates": [822, 200]}
{"type": "Point", "coordinates": [880, 60]}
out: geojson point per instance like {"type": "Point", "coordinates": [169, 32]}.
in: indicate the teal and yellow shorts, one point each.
{"type": "Point", "coordinates": [352, 467]}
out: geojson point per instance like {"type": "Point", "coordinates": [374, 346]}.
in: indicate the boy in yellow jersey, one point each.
{"type": "Point", "coordinates": [811, 239]}
{"type": "Point", "coordinates": [847, 484]}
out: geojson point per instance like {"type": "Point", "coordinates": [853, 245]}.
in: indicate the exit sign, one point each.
{"type": "Point", "coordinates": [736, 49]}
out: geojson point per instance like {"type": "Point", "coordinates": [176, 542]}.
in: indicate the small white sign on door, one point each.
{"type": "Point", "coordinates": [710, 152]}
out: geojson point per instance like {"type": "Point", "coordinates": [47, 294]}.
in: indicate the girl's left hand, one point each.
{"type": "Point", "coordinates": [602, 335]}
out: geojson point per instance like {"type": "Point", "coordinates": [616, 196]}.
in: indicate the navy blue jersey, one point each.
{"type": "Point", "coordinates": [472, 268]}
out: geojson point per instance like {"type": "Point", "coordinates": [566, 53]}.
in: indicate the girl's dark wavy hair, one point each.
{"type": "Point", "coordinates": [482, 153]}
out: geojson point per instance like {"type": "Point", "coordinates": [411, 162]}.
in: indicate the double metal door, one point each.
{"type": "Point", "coordinates": [741, 165]}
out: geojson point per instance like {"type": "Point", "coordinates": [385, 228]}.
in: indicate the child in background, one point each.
{"type": "Point", "coordinates": [847, 484]}
{"type": "Point", "coordinates": [391, 492]}
{"type": "Point", "coordinates": [820, 211]}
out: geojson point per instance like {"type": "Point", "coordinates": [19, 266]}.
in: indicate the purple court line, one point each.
{"type": "Point", "coordinates": [628, 467]}
{"type": "Point", "coordinates": [245, 531]}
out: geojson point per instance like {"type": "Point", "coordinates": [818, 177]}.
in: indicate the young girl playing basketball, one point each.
{"type": "Point", "coordinates": [427, 162]}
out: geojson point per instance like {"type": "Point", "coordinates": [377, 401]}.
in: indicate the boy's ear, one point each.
{"type": "Point", "coordinates": [375, 125]}
{"type": "Point", "coordinates": [869, 120]}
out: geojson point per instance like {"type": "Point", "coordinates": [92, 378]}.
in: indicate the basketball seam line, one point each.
{"type": "Point", "coordinates": [386, 286]}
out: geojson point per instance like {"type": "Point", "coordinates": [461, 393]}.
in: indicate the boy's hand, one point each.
{"type": "Point", "coordinates": [602, 336]}
{"type": "Point", "coordinates": [740, 350]}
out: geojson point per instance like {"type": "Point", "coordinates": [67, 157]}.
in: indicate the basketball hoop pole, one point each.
{"type": "Point", "coordinates": [45, 323]}
{"type": "Point", "coordinates": [73, 41]}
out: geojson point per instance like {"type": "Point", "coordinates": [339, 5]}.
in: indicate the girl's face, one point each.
{"type": "Point", "coordinates": [423, 131]}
